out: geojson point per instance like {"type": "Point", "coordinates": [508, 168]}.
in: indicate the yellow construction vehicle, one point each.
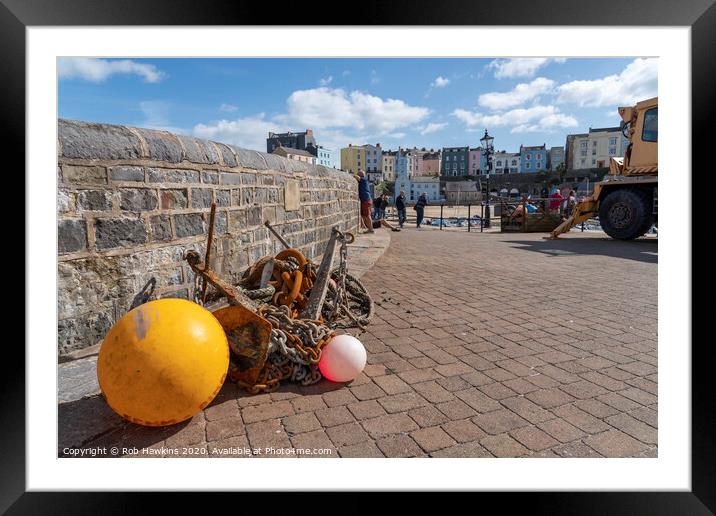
{"type": "Point", "coordinates": [626, 200]}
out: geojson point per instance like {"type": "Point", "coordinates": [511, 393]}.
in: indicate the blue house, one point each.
{"type": "Point", "coordinates": [324, 157]}
{"type": "Point", "coordinates": [401, 164]}
{"type": "Point", "coordinates": [533, 159]}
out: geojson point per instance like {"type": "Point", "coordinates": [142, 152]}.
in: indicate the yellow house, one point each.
{"type": "Point", "coordinates": [353, 158]}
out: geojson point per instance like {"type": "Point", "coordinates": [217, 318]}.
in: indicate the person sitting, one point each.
{"type": "Point", "coordinates": [382, 222]}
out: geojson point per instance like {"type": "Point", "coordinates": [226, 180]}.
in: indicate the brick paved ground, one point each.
{"type": "Point", "coordinates": [482, 345]}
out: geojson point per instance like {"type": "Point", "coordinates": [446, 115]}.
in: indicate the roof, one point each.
{"type": "Point", "coordinates": [289, 150]}
{"type": "Point", "coordinates": [605, 130]}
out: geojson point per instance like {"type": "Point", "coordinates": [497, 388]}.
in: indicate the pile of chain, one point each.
{"type": "Point", "coordinates": [295, 345]}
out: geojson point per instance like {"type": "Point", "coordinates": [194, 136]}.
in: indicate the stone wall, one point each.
{"type": "Point", "coordinates": [131, 202]}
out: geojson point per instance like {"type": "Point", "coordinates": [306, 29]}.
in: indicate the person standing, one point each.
{"type": "Point", "coordinates": [365, 201]}
{"type": "Point", "coordinates": [555, 200]}
{"type": "Point", "coordinates": [400, 206]}
{"type": "Point", "coordinates": [377, 201]}
{"type": "Point", "coordinates": [383, 205]}
{"type": "Point", "coordinates": [419, 207]}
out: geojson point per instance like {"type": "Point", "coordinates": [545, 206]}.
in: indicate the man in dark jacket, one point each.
{"type": "Point", "coordinates": [419, 207]}
{"type": "Point", "coordinates": [400, 206]}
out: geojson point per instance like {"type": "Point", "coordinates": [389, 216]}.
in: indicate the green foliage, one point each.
{"type": "Point", "coordinates": [385, 187]}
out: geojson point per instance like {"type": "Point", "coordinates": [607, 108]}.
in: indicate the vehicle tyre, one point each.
{"type": "Point", "coordinates": [626, 214]}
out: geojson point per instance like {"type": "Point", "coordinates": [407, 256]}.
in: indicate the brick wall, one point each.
{"type": "Point", "coordinates": [131, 202]}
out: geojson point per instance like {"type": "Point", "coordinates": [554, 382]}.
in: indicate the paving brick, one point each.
{"type": "Point", "coordinates": [456, 409]}
{"type": "Point", "coordinates": [580, 419]}
{"type": "Point", "coordinates": [533, 438]}
{"type": "Point", "coordinates": [366, 449]}
{"type": "Point", "coordinates": [402, 402]}
{"type": "Point", "coordinates": [463, 431]}
{"type": "Point", "coordinates": [272, 410]}
{"type": "Point", "coordinates": [497, 391]}
{"type": "Point", "coordinates": [503, 446]}
{"type": "Point", "coordinates": [389, 424]}
{"type": "Point", "coordinates": [520, 385]}
{"type": "Point", "coordinates": [499, 421]}
{"type": "Point", "coordinates": [266, 434]}
{"type": "Point", "coordinates": [366, 409]}
{"type": "Point", "coordinates": [526, 409]}
{"type": "Point", "coordinates": [368, 391]}
{"type": "Point", "coordinates": [188, 435]}
{"type": "Point", "coordinates": [339, 397]}
{"type": "Point", "coordinates": [433, 392]}
{"type": "Point", "coordinates": [345, 435]}
{"type": "Point", "coordinates": [646, 415]}
{"type": "Point", "coordinates": [419, 375]}
{"type": "Point", "coordinates": [392, 384]}
{"type": "Point", "coordinates": [453, 383]}
{"type": "Point", "coordinates": [596, 408]}
{"type": "Point", "coordinates": [576, 449]}
{"type": "Point", "coordinates": [224, 428]}
{"type": "Point", "coordinates": [237, 447]}
{"type": "Point", "coordinates": [432, 439]}
{"type": "Point", "coordinates": [583, 389]}
{"type": "Point", "coordinates": [618, 402]}
{"type": "Point", "coordinates": [399, 446]}
{"type": "Point", "coordinates": [635, 428]}
{"type": "Point", "coordinates": [478, 400]}
{"type": "Point", "coordinates": [333, 416]}
{"type": "Point", "coordinates": [477, 378]}
{"type": "Point", "coordinates": [226, 408]}
{"type": "Point", "coordinates": [614, 443]}
{"type": "Point", "coordinates": [458, 368]}
{"type": "Point", "coordinates": [316, 445]}
{"type": "Point", "coordinates": [561, 430]}
{"type": "Point", "coordinates": [308, 403]}
{"type": "Point", "coordinates": [464, 450]}
{"type": "Point", "coordinates": [304, 422]}
{"type": "Point", "coordinates": [603, 380]}
{"type": "Point", "coordinates": [639, 396]}
{"type": "Point", "coordinates": [427, 416]}
{"type": "Point", "coordinates": [548, 398]}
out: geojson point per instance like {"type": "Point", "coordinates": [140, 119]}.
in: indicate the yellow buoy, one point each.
{"type": "Point", "coordinates": [163, 362]}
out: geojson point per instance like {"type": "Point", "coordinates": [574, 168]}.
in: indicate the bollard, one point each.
{"type": "Point", "coordinates": [482, 216]}
{"type": "Point", "coordinates": [441, 217]}
{"type": "Point", "coordinates": [468, 217]}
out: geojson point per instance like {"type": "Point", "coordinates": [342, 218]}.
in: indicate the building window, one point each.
{"type": "Point", "coordinates": [594, 143]}
{"type": "Point", "coordinates": [527, 166]}
{"type": "Point", "coordinates": [584, 153]}
{"type": "Point", "coordinates": [612, 150]}
{"type": "Point", "coordinates": [583, 145]}
{"type": "Point", "coordinates": [594, 152]}
{"type": "Point", "coordinates": [582, 161]}
{"type": "Point", "coordinates": [650, 132]}
{"type": "Point", "coordinates": [529, 156]}
{"type": "Point", "coordinates": [514, 162]}
{"type": "Point", "coordinates": [594, 162]}
{"type": "Point", "coordinates": [612, 141]}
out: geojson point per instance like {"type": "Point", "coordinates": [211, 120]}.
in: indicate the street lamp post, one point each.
{"type": "Point", "coordinates": [488, 150]}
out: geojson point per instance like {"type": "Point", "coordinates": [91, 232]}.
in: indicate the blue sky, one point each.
{"type": "Point", "coordinates": [397, 102]}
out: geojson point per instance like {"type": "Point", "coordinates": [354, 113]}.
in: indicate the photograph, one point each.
{"type": "Point", "coordinates": [356, 257]}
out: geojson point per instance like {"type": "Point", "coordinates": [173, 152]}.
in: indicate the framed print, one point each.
{"type": "Point", "coordinates": [428, 233]}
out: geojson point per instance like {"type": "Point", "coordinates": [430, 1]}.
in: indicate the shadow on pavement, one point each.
{"type": "Point", "coordinates": [642, 250]}
{"type": "Point", "coordinates": [89, 423]}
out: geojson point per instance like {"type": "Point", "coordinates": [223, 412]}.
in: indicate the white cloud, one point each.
{"type": "Point", "coordinates": [518, 95]}
{"type": "Point", "coordinates": [228, 108]}
{"type": "Point", "coordinates": [248, 132]}
{"type": "Point", "coordinates": [156, 116]}
{"type": "Point", "coordinates": [336, 116]}
{"type": "Point", "coordinates": [536, 118]}
{"type": "Point", "coordinates": [638, 81]}
{"type": "Point", "coordinates": [99, 70]}
{"type": "Point", "coordinates": [321, 108]}
{"type": "Point", "coordinates": [440, 82]}
{"type": "Point", "coordinates": [433, 128]}
{"type": "Point", "coordinates": [520, 66]}
{"type": "Point", "coordinates": [326, 80]}
{"type": "Point", "coordinates": [374, 79]}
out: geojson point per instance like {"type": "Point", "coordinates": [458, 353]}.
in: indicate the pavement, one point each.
{"type": "Point", "coordinates": [482, 345]}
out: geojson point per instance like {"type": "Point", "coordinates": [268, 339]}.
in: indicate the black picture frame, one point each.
{"type": "Point", "coordinates": [699, 15]}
